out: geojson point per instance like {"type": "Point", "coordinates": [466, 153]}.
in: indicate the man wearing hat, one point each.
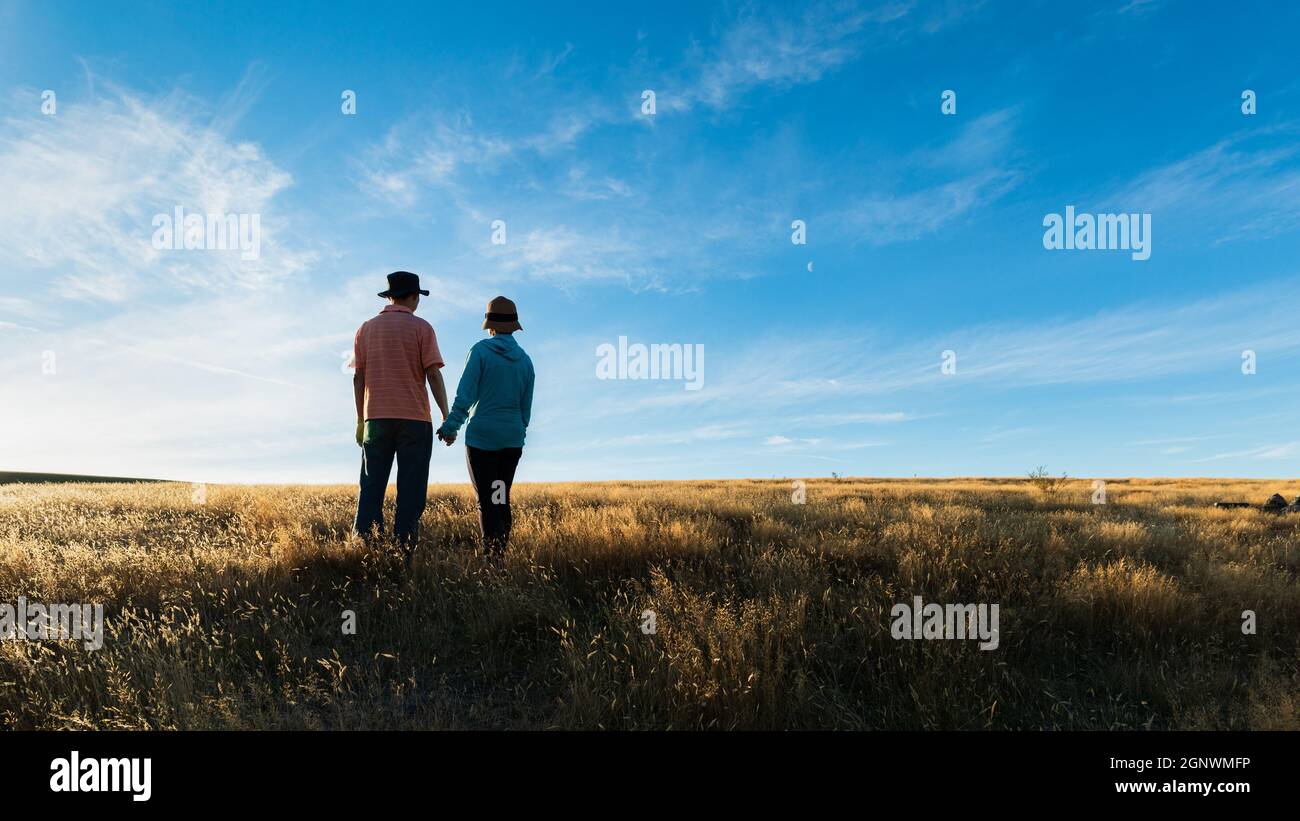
{"type": "Point", "coordinates": [495, 394]}
{"type": "Point", "coordinates": [395, 354]}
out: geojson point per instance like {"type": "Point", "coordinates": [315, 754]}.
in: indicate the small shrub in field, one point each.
{"type": "Point", "coordinates": [1046, 483]}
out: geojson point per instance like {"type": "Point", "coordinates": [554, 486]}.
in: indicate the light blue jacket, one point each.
{"type": "Point", "coordinates": [495, 393]}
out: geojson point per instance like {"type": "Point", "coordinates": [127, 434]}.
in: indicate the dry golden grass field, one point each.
{"type": "Point", "coordinates": [768, 614]}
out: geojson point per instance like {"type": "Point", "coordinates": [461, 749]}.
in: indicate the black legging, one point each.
{"type": "Point", "coordinates": [492, 472]}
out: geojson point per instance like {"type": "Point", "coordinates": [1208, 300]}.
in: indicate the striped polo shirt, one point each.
{"type": "Point", "coordinates": [392, 351]}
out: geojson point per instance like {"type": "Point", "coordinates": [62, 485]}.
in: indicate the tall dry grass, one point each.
{"type": "Point", "coordinates": [769, 614]}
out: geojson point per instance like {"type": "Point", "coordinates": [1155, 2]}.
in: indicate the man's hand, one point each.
{"type": "Point", "coordinates": [361, 432]}
{"type": "Point", "coordinates": [448, 438]}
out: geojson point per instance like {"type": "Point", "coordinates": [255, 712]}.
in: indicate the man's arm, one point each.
{"type": "Point", "coordinates": [359, 393]}
{"type": "Point", "coordinates": [439, 388]}
{"type": "Point", "coordinates": [359, 381]}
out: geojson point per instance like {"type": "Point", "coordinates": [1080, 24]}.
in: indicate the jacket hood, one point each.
{"type": "Point", "coordinates": [504, 345]}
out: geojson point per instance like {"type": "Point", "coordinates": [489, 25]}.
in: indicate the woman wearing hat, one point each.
{"type": "Point", "coordinates": [496, 395]}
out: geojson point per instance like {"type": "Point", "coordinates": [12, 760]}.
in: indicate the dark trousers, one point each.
{"type": "Point", "coordinates": [411, 443]}
{"type": "Point", "coordinates": [492, 472]}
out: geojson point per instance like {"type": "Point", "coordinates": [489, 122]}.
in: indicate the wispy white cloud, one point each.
{"type": "Point", "coordinates": [552, 61]}
{"type": "Point", "coordinates": [1283, 450]}
{"type": "Point", "coordinates": [1003, 434]}
{"type": "Point", "coordinates": [573, 221]}
{"type": "Point", "coordinates": [882, 219]}
{"type": "Point", "coordinates": [1176, 440]}
{"type": "Point", "coordinates": [15, 306]}
{"type": "Point", "coordinates": [945, 184]}
{"type": "Point", "coordinates": [414, 158]}
{"type": "Point", "coordinates": [785, 46]}
{"type": "Point", "coordinates": [565, 257]}
{"type": "Point", "coordinates": [82, 189]}
{"type": "Point", "coordinates": [703, 433]}
{"type": "Point", "coordinates": [156, 362]}
{"type": "Point", "coordinates": [831, 419]}
{"type": "Point", "coordinates": [582, 186]}
{"type": "Point", "coordinates": [229, 388]}
{"type": "Point", "coordinates": [428, 153]}
{"type": "Point", "coordinates": [1244, 187]}
{"type": "Point", "coordinates": [1128, 345]}
{"type": "Point", "coordinates": [778, 441]}
{"type": "Point", "coordinates": [1138, 8]}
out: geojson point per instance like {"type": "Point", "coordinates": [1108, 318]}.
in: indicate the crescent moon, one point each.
{"type": "Point", "coordinates": [810, 267]}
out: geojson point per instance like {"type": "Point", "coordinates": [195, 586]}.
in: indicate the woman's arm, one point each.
{"type": "Point", "coordinates": [466, 395]}
{"type": "Point", "coordinates": [526, 404]}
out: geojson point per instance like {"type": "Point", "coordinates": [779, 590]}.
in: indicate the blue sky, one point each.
{"type": "Point", "coordinates": [924, 232]}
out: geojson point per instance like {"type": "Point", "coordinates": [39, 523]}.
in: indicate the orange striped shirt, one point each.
{"type": "Point", "coordinates": [392, 351]}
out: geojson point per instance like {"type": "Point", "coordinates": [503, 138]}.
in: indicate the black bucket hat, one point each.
{"type": "Point", "coordinates": [403, 283]}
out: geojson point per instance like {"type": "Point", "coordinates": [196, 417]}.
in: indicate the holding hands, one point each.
{"type": "Point", "coordinates": [448, 438]}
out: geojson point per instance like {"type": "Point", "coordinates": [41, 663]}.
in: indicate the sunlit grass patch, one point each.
{"type": "Point", "coordinates": [766, 612]}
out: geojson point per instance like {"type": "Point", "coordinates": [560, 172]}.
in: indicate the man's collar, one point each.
{"type": "Point", "coordinates": [401, 308]}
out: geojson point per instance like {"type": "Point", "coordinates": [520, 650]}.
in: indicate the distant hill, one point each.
{"type": "Point", "coordinates": [12, 477]}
